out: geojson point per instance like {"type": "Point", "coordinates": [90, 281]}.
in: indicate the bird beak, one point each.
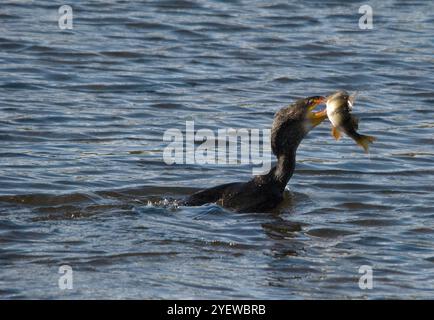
{"type": "Point", "coordinates": [317, 117]}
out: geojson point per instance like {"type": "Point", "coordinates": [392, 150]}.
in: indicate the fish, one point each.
{"type": "Point", "coordinates": [339, 106]}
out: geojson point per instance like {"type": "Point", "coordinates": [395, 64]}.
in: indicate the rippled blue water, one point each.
{"type": "Point", "coordinates": [82, 116]}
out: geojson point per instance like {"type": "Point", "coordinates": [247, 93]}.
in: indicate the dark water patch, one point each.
{"type": "Point", "coordinates": [121, 54]}
{"type": "Point", "coordinates": [105, 87]}
{"type": "Point", "coordinates": [226, 28]}
{"type": "Point", "coordinates": [116, 258]}
{"type": "Point", "coordinates": [4, 15]}
{"type": "Point", "coordinates": [374, 222]}
{"type": "Point", "coordinates": [48, 199]}
{"type": "Point", "coordinates": [168, 106]}
{"type": "Point", "coordinates": [20, 86]}
{"type": "Point", "coordinates": [430, 259]}
{"type": "Point", "coordinates": [18, 236]}
{"type": "Point", "coordinates": [177, 4]}
{"type": "Point", "coordinates": [282, 229]}
{"type": "Point", "coordinates": [11, 45]}
{"type": "Point", "coordinates": [362, 205]}
{"type": "Point", "coordinates": [328, 233]}
{"type": "Point", "coordinates": [373, 241]}
{"type": "Point", "coordinates": [149, 25]}
{"type": "Point", "coordinates": [74, 212]}
{"type": "Point", "coordinates": [422, 230]}
{"type": "Point", "coordinates": [279, 6]}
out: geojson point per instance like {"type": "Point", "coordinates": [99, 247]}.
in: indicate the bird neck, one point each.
{"type": "Point", "coordinates": [284, 168]}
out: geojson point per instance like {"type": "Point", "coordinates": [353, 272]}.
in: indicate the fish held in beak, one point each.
{"type": "Point", "coordinates": [339, 106]}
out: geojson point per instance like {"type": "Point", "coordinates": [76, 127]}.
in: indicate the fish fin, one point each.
{"type": "Point", "coordinates": [364, 142]}
{"type": "Point", "coordinates": [335, 133]}
{"type": "Point", "coordinates": [351, 100]}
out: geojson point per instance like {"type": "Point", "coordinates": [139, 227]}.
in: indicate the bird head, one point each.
{"type": "Point", "coordinates": [291, 124]}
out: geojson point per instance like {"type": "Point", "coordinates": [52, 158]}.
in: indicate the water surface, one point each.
{"type": "Point", "coordinates": [83, 182]}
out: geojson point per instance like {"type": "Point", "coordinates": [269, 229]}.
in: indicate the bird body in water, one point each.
{"type": "Point", "coordinates": [265, 192]}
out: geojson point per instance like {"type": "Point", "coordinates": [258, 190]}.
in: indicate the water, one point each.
{"type": "Point", "coordinates": [83, 183]}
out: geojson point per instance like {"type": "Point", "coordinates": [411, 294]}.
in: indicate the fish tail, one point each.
{"type": "Point", "coordinates": [364, 141]}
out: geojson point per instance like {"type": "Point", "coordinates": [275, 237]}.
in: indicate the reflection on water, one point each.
{"type": "Point", "coordinates": [83, 182]}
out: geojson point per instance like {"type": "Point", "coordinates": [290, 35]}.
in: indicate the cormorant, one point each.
{"type": "Point", "coordinates": [264, 192]}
